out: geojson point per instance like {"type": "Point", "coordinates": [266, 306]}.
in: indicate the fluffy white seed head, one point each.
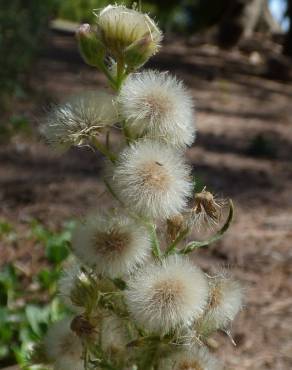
{"type": "Point", "coordinates": [63, 347]}
{"type": "Point", "coordinates": [225, 301]}
{"type": "Point", "coordinates": [112, 245]}
{"type": "Point", "coordinates": [194, 358]}
{"type": "Point", "coordinates": [166, 297]}
{"type": "Point", "coordinates": [152, 179]}
{"type": "Point", "coordinates": [120, 27]}
{"type": "Point", "coordinates": [114, 336]}
{"type": "Point", "coordinates": [82, 117]}
{"type": "Point", "coordinates": [157, 105]}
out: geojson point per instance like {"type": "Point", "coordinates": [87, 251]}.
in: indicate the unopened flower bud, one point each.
{"type": "Point", "coordinates": [175, 225]}
{"type": "Point", "coordinates": [83, 291]}
{"type": "Point", "coordinates": [139, 52]}
{"type": "Point", "coordinates": [91, 48]}
{"type": "Point", "coordinates": [121, 28]}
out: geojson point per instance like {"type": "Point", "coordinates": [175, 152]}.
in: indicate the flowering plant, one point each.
{"type": "Point", "coordinates": [137, 300]}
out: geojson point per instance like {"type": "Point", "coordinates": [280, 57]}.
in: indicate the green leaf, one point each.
{"type": "Point", "coordinates": [38, 319]}
{"type": "Point", "coordinates": [47, 278]}
{"type": "Point", "coordinates": [57, 249]}
{"type": "Point", "coordinates": [8, 284]}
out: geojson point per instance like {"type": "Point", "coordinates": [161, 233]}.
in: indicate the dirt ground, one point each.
{"type": "Point", "coordinates": [234, 104]}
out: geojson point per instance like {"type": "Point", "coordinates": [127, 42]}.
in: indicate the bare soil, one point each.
{"type": "Point", "coordinates": [234, 103]}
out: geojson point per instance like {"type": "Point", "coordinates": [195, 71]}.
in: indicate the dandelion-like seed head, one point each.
{"type": "Point", "coordinates": [225, 301]}
{"type": "Point", "coordinates": [165, 297]}
{"type": "Point", "coordinates": [114, 337]}
{"type": "Point", "coordinates": [194, 358]}
{"type": "Point", "coordinates": [80, 118]}
{"type": "Point", "coordinates": [153, 179]}
{"type": "Point", "coordinates": [113, 245]}
{"type": "Point", "coordinates": [63, 347]}
{"type": "Point", "coordinates": [121, 28]}
{"type": "Point", "coordinates": [156, 105]}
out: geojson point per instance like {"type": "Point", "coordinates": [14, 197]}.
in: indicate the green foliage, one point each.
{"type": "Point", "coordinates": [24, 320]}
{"type": "Point", "coordinates": [56, 244]}
{"type": "Point", "coordinates": [23, 25]}
{"type": "Point", "coordinates": [82, 10]}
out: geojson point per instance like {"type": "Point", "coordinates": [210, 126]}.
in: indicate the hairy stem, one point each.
{"type": "Point", "coordinates": [156, 251]}
{"type": "Point", "coordinates": [172, 247]}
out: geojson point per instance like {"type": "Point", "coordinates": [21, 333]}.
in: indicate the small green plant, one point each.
{"type": "Point", "coordinates": [24, 317]}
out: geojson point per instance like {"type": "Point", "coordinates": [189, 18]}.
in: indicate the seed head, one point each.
{"type": "Point", "coordinates": [82, 117]}
{"type": "Point", "coordinates": [112, 245]}
{"type": "Point", "coordinates": [225, 301]}
{"type": "Point", "coordinates": [156, 105]}
{"type": "Point", "coordinates": [166, 297]}
{"type": "Point", "coordinates": [63, 347]}
{"type": "Point", "coordinates": [152, 179]}
{"type": "Point", "coordinates": [194, 358]}
{"type": "Point", "coordinates": [114, 337]}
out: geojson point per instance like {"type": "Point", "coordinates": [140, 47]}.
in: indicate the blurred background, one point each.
{"type": "Point", "coordinates": [235, 57]}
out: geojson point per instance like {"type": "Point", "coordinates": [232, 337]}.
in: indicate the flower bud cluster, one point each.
{"type": "Point", "coordinates": [138, 300]}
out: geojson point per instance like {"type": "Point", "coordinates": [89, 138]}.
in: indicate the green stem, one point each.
{"type": "Point", "coordinates": [104, 150]}
{"type": "Point", "coordinates": [86, 356]}
{"type": "Point", "coordinates": [110, 78]}
{"type": "Point", "coordinates": [112, 192]}
{"type": "Point", "coordinates": [198, 244]}
{"type": "Point", "coordinates": [120, 73]}
{"type": "Point", "coordinates": [154, 241]}
{"type": "Point", "coordinates": [172, 247]}
{"type": "Point", "coordinates": [126, 132]}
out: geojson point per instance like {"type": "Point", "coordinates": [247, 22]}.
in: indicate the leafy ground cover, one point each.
{"type": "Point", "coordinates": [28, 300]}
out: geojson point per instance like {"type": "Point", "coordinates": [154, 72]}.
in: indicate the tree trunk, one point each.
{"type": "Point", "coordinates": [242, 18]}
{"type": "Point", "coordinates": [267, 23]}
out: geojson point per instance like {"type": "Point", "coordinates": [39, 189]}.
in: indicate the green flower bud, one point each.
{"type": "Point", "coordinates": [124, 30]}
{"type": "Point", "coordinates": [139, 52]}
{"type": "Point", "coordinates": [90, 46]}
